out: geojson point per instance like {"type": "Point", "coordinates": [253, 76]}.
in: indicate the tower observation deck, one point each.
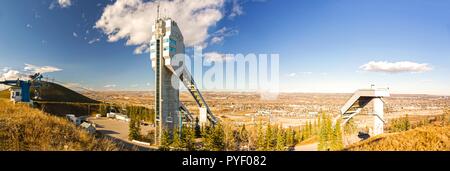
{"type": "Point", "coordinates": [170, 113]}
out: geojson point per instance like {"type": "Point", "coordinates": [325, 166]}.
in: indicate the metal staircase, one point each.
{"type": "Point", "coordinates": [358, 101]}
{"type": "Point", "coordinates": [186, 115]}
{"type": "Point", "coordinates": [189, 83]}
{"type": "Point", "coordinates": [355, 108]}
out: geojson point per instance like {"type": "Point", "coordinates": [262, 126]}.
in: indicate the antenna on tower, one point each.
{"type": "Point", "coordinates": [157, 11]}
{"type": "Point", "coordinates": [165, 13]}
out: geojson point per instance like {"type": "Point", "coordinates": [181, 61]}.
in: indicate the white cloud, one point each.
{"type": "Point", "coordinates": [236, 10]}
{"type": "Point", "coordinates": [60, 3]}
{"type": "Point", "coordinates": [292, 74]}
{"type": "Point", "coordinates": [216, 57]}
{"type": "Point", "coordinates": [64, 3]}
{"type": "Point", "coordinates": [9, 74]}
{"type": "Point", "coordinates": [110, 86]}
{"type": "Point", "coordinates": [220, 34]}
{"type": "Point", "coordinates": [75, 34]}
{"type": "Point", "coordinates": [40, 69]}
{"type": "Point", "coordinates": [216, 40]}
{"type": "Point", "coordinates": [94, 40]}
{"type": "Point", "coordinates": [396, 67]}
{"type": "Point", "coordinates": [132, 20]}
{"type": "Point", "coordinates": [29, 26]}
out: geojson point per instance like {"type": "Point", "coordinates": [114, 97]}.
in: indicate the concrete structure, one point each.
{"type": "Point", "coordinates": [167, 56]}
{"type": "Point", "coordinates": [122, 117]}
{"type": "Point", "coordinates": [90, 128]}
{"type": "Point", "coordinates": [20, 89]}
{"type": "Point", "coordinates": [359, 100]}
{"type": "Point", "coordinates": [16, 94]}
{"type": "Point", "coordinates": [76, 120]}
{"type": "Point", "coordinates": [166, 42]}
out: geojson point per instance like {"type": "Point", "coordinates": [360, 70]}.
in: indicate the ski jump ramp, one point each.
{"type": "Point", "coordinates": [359, 100]}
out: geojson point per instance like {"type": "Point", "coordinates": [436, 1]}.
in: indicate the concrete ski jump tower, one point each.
{"type": "Point", "coordinates": [359, 100]}
{"type": "Point", "coordinates": [167, 41]}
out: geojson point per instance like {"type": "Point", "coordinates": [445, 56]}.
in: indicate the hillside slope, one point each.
{"type": "Point", "coordinates": [57, 93]}
{"type": "Point", "coordinates": [59, 100]}
{"type": "Point", "coordinates": [427, 138]}
{"type": "Point", "coordinates": [26, 129]}
{"type": "Point", "coordinates": [4, 94]}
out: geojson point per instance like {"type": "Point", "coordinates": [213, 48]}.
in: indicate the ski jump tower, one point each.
{"type": "Point", "coordinates": [167, 41]}
{"type": "Point", "coordinates": [359, 100]}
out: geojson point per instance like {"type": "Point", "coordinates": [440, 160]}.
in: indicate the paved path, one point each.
{"type": "Point", "coordinates": [307, 147]}
{"type": "Point", "coordinates": [118, 130]}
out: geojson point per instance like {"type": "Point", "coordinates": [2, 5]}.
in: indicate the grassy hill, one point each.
{"type": "Point", "coordinates": [55, 93]}
{"type": "Point", "coordinates": [59, 100]}
{"type": "Point", "coordinates": [4, 94]}
{"type": "Point", "coordinates": [427, 138]}
{"type": "Point", "coordinates": [58, 93]}
{"type": "Point", "coordinates": [23, 128]}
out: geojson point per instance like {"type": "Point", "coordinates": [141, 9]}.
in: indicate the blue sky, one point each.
{"type": "Point", "coordinates": [322, 43]}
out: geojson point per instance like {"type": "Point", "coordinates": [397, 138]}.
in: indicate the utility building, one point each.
{"type": "Point", "coordinates": [167, 42]}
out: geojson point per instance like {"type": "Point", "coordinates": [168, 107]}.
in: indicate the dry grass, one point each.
{"type": "Point", "coordinates": [4, 94]}
{"type": "Point", "coordinates": [427, 138]}
{"type": "Point", "coordinates": [26, 129]}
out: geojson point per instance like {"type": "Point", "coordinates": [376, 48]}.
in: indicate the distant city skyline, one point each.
{"type": "Point", "coordinates": [324, 46]}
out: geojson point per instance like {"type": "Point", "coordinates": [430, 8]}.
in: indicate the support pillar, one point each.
{"type": "Point", "coordinates": [203, 119]}
{"type": "Point", "coordinates": [378, 111]}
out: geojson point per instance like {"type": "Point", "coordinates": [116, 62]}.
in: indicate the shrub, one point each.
{"type": "Point", "coordinates": [23, 128]}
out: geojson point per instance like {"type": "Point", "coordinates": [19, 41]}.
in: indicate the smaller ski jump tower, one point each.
{"type": "Point", "coordinates": [359, 100]}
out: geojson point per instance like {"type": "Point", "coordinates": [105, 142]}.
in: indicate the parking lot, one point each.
{"type": "Point", "coordinates": [118, 130]}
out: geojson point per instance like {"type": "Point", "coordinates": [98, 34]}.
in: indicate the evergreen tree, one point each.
{"type": "Point", "coordinates": [337, 139]}
{"type": "Point", "coordinates": [308, 130]}
{"type": "Point", "coordinates": [407, 124]}
{"type": "Point", "coordinates": [198, 130]}
{"type": "Point", "coordinates": [189, 138]}
{"type": "Point", "coordinates": [243, 136]}
{"type": "Point", "coordinates": [215, 140]}
{"type": "Point", "coordinates": [326, 133]}
{"type": "Point", "coordinates": [176, 139]}
{"type": "Point", "coordinates": [165, 141]}
{"type": "Point", "coordinates": [316, 127]}
{"type": "Point", "coordinates": [269, 138]}
{"type": "Point", "coordinates": [280, 144]}
{"type": "Point", "coordinates": [134, 130]}
{"type": "Point", "coordinates": [290, 137]}
{"type": "Point", "coordinates": [260, 143]}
